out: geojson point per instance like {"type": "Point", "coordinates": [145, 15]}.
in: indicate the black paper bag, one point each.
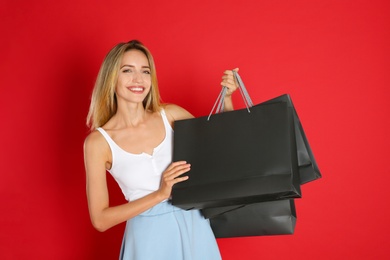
{"type": "Point", "coordinates": [258, 219]}
{"type": "Point", "coordinates": [237, 157]}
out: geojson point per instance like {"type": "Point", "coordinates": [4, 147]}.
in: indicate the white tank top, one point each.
{"type": "Point", "coordinates": [140, 174]}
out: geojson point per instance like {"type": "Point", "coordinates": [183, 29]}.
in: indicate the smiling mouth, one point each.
{"type": "Point", "coordinates": [136, 89]}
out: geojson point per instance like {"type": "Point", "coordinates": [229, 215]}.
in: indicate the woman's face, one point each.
{"type": "Point", "coordinates": [134, 80]}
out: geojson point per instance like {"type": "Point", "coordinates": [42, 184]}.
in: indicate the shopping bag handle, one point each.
{"type": "Point", "coordinates": [219, 103]}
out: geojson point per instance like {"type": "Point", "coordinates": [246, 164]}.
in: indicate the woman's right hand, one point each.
{"type": "Point", "coordinates": [171, 176]}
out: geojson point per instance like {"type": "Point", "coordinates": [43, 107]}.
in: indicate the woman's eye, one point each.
{"type": "Point", "coordinates": [127, 70]}
{"type": "Point", "coordinates": [146, 72]}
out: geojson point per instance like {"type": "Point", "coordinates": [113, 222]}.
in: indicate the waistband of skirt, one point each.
{"type": "Point", "coordinates": [164, 207]}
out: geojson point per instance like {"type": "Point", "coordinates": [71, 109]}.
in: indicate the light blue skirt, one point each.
{"type": "Point", "coordinates": [166, 232]}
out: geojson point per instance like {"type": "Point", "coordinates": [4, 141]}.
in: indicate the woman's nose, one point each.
{"type": "Point", "coordinates": [137, 77]}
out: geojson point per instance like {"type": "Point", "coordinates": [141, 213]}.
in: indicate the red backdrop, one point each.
{"type": "Point", "coordinates": [332, 57]}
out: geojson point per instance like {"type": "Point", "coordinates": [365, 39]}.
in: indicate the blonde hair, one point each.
{"type": "Point", "coordinates": [103, 101]}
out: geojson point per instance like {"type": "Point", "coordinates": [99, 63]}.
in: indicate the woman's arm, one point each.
{"type": "Point", "coordinates": [175, 112]}
{"type": "Point", "coordinates": [103, 217]}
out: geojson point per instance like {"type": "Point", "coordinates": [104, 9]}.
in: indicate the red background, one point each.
{"type": "Point", "coordinates": [332, 57]}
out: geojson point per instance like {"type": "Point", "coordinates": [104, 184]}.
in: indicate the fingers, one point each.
{"type": "Point", "coordinates": [229, 81]}
{"type": "Point", "coordinates": [230, 72]}
{"type": "Point", "coordinates": [179, 179]}
{"type": "Point", "coordinates": [175, 166]}
{"type": "Point", "coordinates": [171, 175]}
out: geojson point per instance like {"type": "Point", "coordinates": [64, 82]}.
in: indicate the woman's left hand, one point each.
{"type": "Point", "coordinates": [229, 82]}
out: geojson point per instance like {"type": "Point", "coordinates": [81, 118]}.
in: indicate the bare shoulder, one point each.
{"type": "Point", "coordinates": [175, 112]}
{"type": "Point", "coordinates": [95, 145]}
{"type": "Point", "coordinates": [93, 139]}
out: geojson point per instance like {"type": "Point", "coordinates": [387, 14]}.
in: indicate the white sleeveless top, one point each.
{"type": "Point", "coordinates": [140, 174]}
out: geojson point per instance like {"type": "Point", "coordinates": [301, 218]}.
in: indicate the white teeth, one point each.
{"type": "Point", "coordinates": [136, 89]}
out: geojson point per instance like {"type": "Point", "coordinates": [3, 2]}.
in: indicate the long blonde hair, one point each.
{"type": "Point", "coordinates": [103, 102]}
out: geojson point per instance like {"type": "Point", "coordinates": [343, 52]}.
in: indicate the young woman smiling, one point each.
{"type": "Point", "coordinates": [131, 137]}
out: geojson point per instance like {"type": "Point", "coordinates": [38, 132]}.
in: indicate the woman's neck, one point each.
{"type": "Point", "coordinates": [130, 115]}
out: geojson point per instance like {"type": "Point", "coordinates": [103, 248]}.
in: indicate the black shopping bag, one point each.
{"type": "Point", "coordinates": [237, 157]}
{"type": "Point", "coordinates": [194, 143]}
{"type": "Point", "coordinates": [258, 219]}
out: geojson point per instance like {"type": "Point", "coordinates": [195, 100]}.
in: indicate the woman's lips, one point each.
{"type": "Point", "coordinates": [136, 89]}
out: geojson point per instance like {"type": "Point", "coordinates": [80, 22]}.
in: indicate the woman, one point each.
{"type": "Point", "coordinates": [132, 139]}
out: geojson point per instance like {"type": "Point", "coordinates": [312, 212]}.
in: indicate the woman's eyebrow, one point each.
{"type": "Point", "coordinates": [131, 66]}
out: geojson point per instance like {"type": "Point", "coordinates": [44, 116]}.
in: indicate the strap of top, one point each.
{"type": "Point", "coordinates": [167, 125]}
{"type": "Point", "coordinates": [106, 136]}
